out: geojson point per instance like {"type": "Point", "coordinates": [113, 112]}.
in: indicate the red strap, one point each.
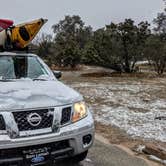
{"type": "Point", "coordinates": [4, 24]}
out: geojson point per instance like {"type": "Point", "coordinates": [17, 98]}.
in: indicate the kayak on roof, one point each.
{"type": "Point", "coordinates": [19, 36]}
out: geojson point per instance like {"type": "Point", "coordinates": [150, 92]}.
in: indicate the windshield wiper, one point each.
{"type": "Point", "coordinates": [39, 79]}
{"type": "Point", "coordinates": [6, 80]}
{"type": "Point", "coordinates": [42, 78]}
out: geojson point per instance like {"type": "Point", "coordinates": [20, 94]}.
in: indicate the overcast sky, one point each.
{"type": "Point", "coordinates": [96, 13]}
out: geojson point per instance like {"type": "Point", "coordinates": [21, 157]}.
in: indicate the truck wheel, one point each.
{"type": "Point", "coordinates": [80, 157]}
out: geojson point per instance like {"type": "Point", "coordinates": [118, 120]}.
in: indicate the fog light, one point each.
{"type": "Point", "coordinates": [87, 139]}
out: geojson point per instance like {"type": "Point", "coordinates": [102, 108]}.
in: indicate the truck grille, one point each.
{"type": "Point", "coordinates": [66, 115]}
{"type": "Point", "coordinates": [39, 119]}
{"type": "Point", "coordinates": [34, 119]}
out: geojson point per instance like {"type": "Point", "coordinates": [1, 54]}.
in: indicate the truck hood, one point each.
{"type": "Point", "coordinates": [35, 94]}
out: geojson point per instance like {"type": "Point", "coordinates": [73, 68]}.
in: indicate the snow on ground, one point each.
{"type": "Point", "coordinates": [131, 105]}
{"type": "Point", "coordinates": [135, 123]}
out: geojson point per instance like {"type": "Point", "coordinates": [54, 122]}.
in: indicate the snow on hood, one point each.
{"type": "Point", "coordinates": [28, 94]}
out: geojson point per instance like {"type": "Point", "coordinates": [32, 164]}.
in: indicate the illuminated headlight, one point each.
{"type": "Point", "coordinates": [80, 111]}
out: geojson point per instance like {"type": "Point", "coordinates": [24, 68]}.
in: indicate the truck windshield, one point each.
{"type": "Point", "coordinates": [16, 67]}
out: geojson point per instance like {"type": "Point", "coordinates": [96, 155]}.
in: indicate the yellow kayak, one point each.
{"type": "Point", "coordinates": [21, 35]}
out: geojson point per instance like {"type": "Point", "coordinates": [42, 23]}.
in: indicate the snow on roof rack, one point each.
{"type": "Point", "coordinates": [7, 53]}
{"type": "Point", "coordinates": [16, 54]}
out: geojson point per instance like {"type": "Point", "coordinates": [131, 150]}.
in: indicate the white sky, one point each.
{"type": "Point", "coordinates": [96, 13]}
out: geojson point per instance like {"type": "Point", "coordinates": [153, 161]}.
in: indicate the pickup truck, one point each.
{"type": "Point", "coordinates": [41, 119]}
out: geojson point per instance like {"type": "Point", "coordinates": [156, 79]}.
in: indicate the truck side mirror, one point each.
{"type": "Point", "coordinates": [57, 74]}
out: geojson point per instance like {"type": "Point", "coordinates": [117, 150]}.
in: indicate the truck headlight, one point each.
{"type": "Point", "coordinates": [80, 111]}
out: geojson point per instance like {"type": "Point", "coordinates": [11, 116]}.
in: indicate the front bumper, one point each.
{"type": "Point", "coordinates": [72, 133]}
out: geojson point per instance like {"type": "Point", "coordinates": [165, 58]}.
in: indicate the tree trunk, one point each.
{"type": "Point", "coordinates": [126, 58]}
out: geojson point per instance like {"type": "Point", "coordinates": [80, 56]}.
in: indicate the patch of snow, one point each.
{"type": "Point", "coordinates": [154, 158]}
{"type": "Point", "coordinates": [140, 148]}
{"type": "Point", "coordinates": [159, 104]}
{"type": "Point", "coordinates": [127, 105]}
{"type": "Point", "coordinates": [88, 160]}
{"type": "Point", "coordinates": [142, 62]}
{"type": "Point", "coordinates": [135, 123]}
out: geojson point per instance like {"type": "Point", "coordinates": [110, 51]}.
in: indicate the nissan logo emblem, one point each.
{"type": "Point", "coordinates": [34, 119]}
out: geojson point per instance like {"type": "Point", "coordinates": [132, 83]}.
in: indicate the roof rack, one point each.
{"type": "Point", "coordinates": [28, 49]}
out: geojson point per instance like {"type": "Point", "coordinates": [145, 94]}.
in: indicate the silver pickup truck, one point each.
{"type": "Point", "coordinates": [41, 119]}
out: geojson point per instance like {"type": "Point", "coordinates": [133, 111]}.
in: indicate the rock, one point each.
{"type": "Point", "coordinates": [140, 149]}
{"type": "Point", "coordinates": [160, 118]}
{"type": "Point", "coordinates": [154, 158]}
{"type": "Point", "coordinates": [155, 151]}
{"type": "Point", "coordinates": [146, 99]}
